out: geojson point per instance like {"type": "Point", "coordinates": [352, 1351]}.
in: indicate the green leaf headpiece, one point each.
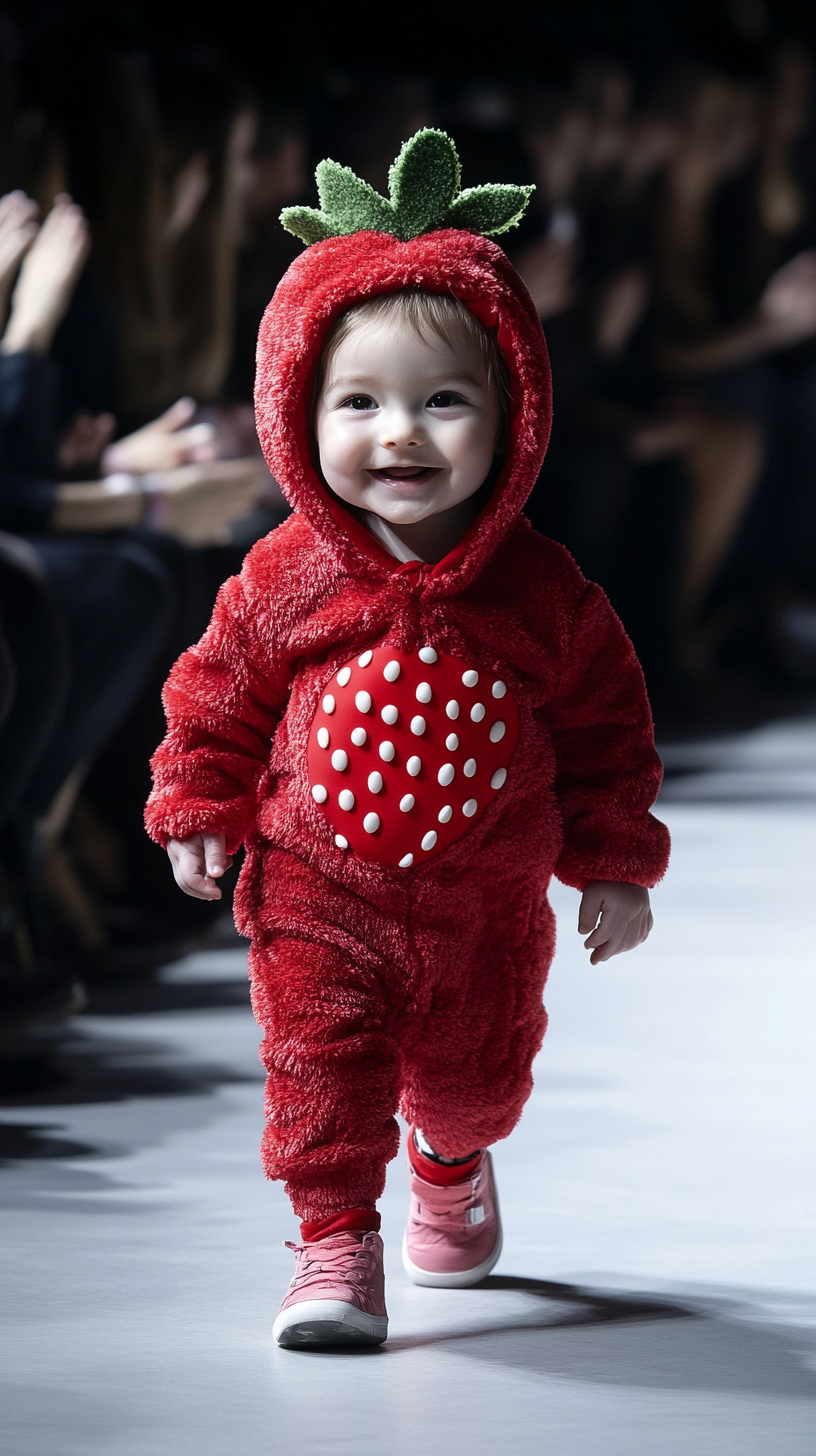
{"type": "Point", "coordinates": [424, 195]}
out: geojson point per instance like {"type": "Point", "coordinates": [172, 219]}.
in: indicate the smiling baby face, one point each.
{"type": "Point", "coordinates": [406, 420]}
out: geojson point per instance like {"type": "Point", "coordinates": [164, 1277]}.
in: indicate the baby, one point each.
{"type": "Point", "coordinates": [413, 711]}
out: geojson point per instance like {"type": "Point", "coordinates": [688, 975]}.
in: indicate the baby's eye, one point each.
{"type": "Point", "coordinates": [444, 399]}
{"type": "Point", "coordinates": [359, 402]}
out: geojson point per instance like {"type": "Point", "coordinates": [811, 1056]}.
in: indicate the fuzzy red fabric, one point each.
{"type": "Point", "coordinates": [377, 986]}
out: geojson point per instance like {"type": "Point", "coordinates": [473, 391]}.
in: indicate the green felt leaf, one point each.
{"type": "Point", "coordinates": [350, 204]}
{"type": "Point", "coordinates": [423, 182]}
{"type": "Point", "coordinates": [493, 208]}
{"type": "Point", "coordinates": [307, 224]}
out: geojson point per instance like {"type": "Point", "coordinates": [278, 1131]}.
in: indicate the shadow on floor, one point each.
{"type": "Point", "coordinates": [146, 997]}
{"type": "Point", "coordinates": [58, 1065]}
{"type": "Point", "coordinates": [20, 1142]}
{"type": "Point", "coordinates": [636, 1341]}
{"type": "Point", "coordinates": [74, 1066]}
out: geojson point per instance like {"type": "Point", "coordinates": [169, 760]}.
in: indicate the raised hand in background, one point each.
{"type": "Point", "coordinates": [47, 278]}
{"type": "Point", "coordinates": [18, 229]}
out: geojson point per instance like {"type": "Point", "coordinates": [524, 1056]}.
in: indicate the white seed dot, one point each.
{"type": "Point", "coordinates": [391, 671]}
{"type": "Point", "coordinates": [452, 708]}
{"type": "Point", "coordinates": [406, 861]}
{"type": "Point", "coordinates": [469, 808]}
{"type": "Point", "coordinates": [445, 815]}
{"type": "Point", "coordinates": [407, 803]}
{"type": "Point", "coordinates": [345, 799]}
{"type": "Point", "coordinates": [343, 676]}
{"type": "Point", "coordinates": [329, 704]}
{"type": "Point", "coordinates": [387, 751]}
{"type": "Point", "coordinates": [414, 766]}
{"type": "Point", "coordinates": [427, 654]}
{"type": "Point", "coordinates": [429, 839]}
{"type": "Point", "coordinates": [445, 775]}
{"type": "Point", "coordinates": [363, 701]}
{"type": "Point", "coordinates": [323, 737]}
{"type": "Point", "coordinates": [470, 678]}
{"type": "Point", "coordinates": [418, 726]}
{"type": "Point", "coordinates": [497, 732]}
{"type": "Point", "coordinates": [341, 841]}
{"type": "Point", "coordinates": [375, 782]}
{"type": "Point", "coordinates": [364, 659]}
{"type": "Point", "coordinates": [452, 742]}
{"type": "Point", "coordinates": [339, 760]}
{"type": "Point", "coordinates": [499, 689]}
{"type": "Point", "coordinates": [389, 714]}
{"type": "Point", "coordinates": [477, 712]}
{"type": "Point", "coordinates": [469, 768]}
{"type": "Point", "coordinates": [319, 793]}
{"type": "Point", "coordinates": [371, 823]}
{"type": "Point", "coordinates": [423, 693]}
{"type": "Point", "coordinates": [498, 778]}
{"type": "Point", "coordinates": [358, 737]}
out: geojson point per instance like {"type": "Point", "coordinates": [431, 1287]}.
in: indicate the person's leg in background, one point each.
{"type": "Point", "coordinates": [31, 987]}
{"type": "Point", "coordinates": [115, 601]}
{"type": "Point", "coordinates": [110, 809]}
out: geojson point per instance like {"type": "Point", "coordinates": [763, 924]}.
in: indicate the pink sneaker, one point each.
{"type": "Point", "coordinates": [337, 1294]}
{"type": "Point", "coordinates": [454, 1234]}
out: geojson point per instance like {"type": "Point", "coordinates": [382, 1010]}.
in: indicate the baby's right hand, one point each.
{"type": "Point", "coordinates": [198, 862]}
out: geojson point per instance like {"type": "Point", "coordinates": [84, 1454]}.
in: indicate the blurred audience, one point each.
{"type": "Point", "coordinates": [671, 253]}
{"type": "Point", "coordinates": [676, 277]}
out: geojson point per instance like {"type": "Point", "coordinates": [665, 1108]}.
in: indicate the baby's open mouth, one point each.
{"type": "Point", "coordinates": [405, 474]}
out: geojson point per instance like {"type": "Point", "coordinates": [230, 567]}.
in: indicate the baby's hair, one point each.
{"type": "Point", "coordinates": [437, 313]}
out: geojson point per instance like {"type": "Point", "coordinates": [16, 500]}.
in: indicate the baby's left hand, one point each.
{"type": "Point", "coordinates": [618, 916]}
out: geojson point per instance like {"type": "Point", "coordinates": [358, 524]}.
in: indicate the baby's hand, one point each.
{"type": "Point", "coordinates": [618, 916]}
{"type": "Point", "coordinates": [198, 862]}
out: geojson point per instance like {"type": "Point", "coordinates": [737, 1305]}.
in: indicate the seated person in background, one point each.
{"type": "Point", "coordinates": [163, 475]}
{"type": "Point", "coordinates": [114, 593]}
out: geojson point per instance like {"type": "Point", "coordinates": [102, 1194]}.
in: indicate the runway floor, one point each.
{"type": "Point", "coordinates": [657, 1291]}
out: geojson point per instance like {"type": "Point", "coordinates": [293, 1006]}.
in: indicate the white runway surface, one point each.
{"type": "Point", "coordinates": [657, 1291]}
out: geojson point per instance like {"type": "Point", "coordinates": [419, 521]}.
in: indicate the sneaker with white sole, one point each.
{"type": "Point", "coordinates": [454, 1233]}
{"type": "Point", "coordinates": [337, 1294]}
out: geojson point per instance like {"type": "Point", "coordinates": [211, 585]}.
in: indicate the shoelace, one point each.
{"type": "Point", "coordinates": [312, 1261]}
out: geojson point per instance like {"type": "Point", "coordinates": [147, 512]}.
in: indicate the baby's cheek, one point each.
{"type": "Point", "coordinates": [471, 458]}
{"type": "Point", "coordinates": [342, 454]}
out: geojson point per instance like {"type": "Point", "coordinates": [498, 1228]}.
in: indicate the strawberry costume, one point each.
{"type": "Point", "coordinates": [409, 752]}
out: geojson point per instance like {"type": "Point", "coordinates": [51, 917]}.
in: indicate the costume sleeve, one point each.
{"type": "Point", "coordinates": [222, 700]}
{"type": "Point", "coordinates": [608, 772]}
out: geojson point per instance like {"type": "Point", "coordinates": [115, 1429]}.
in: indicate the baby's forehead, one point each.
{"type": "Point", "coordinates": [368, 338]}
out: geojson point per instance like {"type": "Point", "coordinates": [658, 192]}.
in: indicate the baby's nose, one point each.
{"type": "Point", "coordinates": [400, 430]}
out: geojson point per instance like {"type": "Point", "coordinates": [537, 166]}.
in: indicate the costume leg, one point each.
{"type": "Point", "coordinates": [468, 1071]}
{"type": "Point", "coordinates": [333, 1063]}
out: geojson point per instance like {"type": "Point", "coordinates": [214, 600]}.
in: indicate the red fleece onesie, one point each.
{"type": "Point", "coordinates": [409, 753]}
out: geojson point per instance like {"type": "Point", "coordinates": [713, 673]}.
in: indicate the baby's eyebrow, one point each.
{"type": "Point", "coordinates": [431, 381]}
{"type": "Point", "coordinates": [345, 381]}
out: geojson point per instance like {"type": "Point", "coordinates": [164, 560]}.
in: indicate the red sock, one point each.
{"type": "Point", "coordinates": [442, 1174]}
{"type": "Point", "coordinates": [357, 1220]}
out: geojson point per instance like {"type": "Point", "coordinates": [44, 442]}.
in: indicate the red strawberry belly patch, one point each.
{"type": "Point", "coordinates": [407, 751]}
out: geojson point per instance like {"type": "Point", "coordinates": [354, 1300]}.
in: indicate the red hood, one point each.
{"type": "Point", "coordinates": [323, 282]}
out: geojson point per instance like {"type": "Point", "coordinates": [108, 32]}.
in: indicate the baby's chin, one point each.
{"type": "Point", "coordinates": [402, 508]}
{"type": "Point", "coordinates": [404, 513]}
{"type": "Point", "coordinates": [404, 505]}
